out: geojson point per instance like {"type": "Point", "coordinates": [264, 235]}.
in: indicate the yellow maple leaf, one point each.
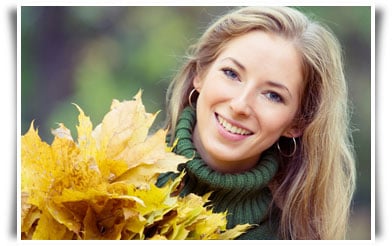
{"type": "Point", "coordinates": [49, 228]}
{"type": "Point", "coordinates": [126, 125]}
{"type": "Point", "coordinates": [37, 160]}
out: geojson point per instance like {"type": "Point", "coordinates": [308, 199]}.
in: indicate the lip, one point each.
{"type": "Point", "coordinates": [229, 135]}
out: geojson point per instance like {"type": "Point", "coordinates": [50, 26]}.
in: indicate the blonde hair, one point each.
{"type": "Point", "coordinates": [314, 188]}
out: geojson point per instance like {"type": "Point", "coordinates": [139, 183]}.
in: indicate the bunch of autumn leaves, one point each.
{"type": "Point", "coordinates": [103, 185]}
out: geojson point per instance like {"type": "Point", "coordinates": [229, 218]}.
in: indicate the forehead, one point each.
{"type": "Point", "coordinates": [263, 44]}
{"type": "Point", "coordinates": [262, 49]}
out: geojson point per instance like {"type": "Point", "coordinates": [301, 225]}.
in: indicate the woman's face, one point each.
{"type": "Point", "coordinates": [248, 98]}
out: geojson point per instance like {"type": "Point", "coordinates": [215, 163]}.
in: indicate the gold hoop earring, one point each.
{"type": "Point", "coordinates": [292, 153]}
{"type": "Point", "coordinates": [190, 98]}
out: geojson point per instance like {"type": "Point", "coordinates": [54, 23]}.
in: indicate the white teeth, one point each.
{"type": "Point", "coordinates": [233, 129]}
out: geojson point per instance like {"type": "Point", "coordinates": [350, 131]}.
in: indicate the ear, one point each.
{"type": "Point", "coordinates": [292, 132]}
{"type": "Point", "coordinates": [197, 83]}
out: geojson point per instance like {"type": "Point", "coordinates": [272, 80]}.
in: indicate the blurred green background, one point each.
{"type": "Point", "coordinates": [91, 55]}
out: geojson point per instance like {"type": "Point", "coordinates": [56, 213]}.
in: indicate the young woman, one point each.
{"type": "Point", "coordinates": [261, 108]}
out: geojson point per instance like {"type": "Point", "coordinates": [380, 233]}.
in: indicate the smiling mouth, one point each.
{"type": "Point", "coordinates": [231, 128]}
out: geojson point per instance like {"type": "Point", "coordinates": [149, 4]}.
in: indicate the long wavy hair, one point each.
{"type": "Point", "coordinates": [313, 189]}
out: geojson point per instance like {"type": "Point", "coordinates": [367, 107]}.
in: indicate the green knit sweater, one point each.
{"type": "Point", "coordinates": [245, 196]}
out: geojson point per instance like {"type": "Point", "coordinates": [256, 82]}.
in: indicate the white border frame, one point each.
{"type": "Point", "coordinates": [382, 114]}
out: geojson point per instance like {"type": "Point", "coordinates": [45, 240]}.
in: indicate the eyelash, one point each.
{"type": "Point", "coordinates": [278, 99]}
{"type": "Point", "coordinates": [229, 73]}
{"type": "Point", "coordinates": [233, 75]}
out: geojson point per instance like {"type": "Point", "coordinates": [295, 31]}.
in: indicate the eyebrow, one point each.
{"type": "Point", "coordinates": [242, 67]}
{"type": "Point", "coordinates": [271, 83]}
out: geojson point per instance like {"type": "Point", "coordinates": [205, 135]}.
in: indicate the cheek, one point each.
{"type": "Point", "coordinates": [213, 89]}
{"type": "Point", "coordinates": [275, 119]}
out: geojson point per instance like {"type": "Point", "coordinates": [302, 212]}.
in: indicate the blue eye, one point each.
{"type": "Point", "coordinates": [273, 96]}
{"type": "Point", "coordinates": [230, 74]}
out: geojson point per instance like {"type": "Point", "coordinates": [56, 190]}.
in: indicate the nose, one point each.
{"type": "Point", "coordinates": [241, 103]}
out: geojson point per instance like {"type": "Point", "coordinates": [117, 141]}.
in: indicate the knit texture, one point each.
{"type": "Point", "coordinates": [245, 196]}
